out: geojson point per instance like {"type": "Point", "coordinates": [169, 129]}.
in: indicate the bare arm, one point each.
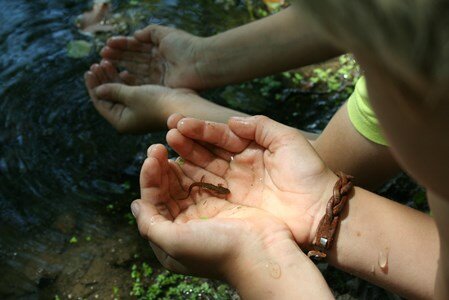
{"type": "Point", "coordinates": [290, 275]}
{"type": "Point", "coordinates": [388, 244]}
{"type": "Point", "coordinates": [343, 148]}
{"type": "Point", "coordinates": [277, 43]}
{"type": "Point", "coordinates": [440, 208]}
{"type": "Point", "coordinates": [375, 226]}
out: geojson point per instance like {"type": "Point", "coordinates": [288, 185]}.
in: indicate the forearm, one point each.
{"type": "Point", "coordinates": [284, 273]}
{"type": "Point", "coordinates": [440, 209]}
{"type": "Point", "coordinates": [200, 108]}
{"type": "Point", "coordinates": [277, 43]}
{"type": "Point", "coordinates": [388, 244]}
{"type": "Point", "coordinates": [343, 148]}
{"type": "Point", "coordinates": [197, 107]}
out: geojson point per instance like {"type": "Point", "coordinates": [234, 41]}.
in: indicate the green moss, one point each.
{"type": "Point", "coordinates": [78, 49]}
{"type": "Point", "coordinates": [115, 292]}
{"type": "Point", "coordinates": [130, 218]}
{"type": "Point", "coordinates": [167, 285]}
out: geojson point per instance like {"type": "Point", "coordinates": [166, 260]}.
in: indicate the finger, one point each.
{"type": "Point", "coordinates": [109, 101]}
{"type": "Point", "coordinates": [110, 71]}
{"type": "Point", "coordinates": [217, 134]}
{"type": "Point", "coordinates": [160, 153]}
{"type": "Point", "coordinates": [220, 152]}
{"type": "Point", "coordinates": [121, 54]}
{"type": "Point", "coordinates": [91, 82]}
{"type": "Point", "coordinates": [152, 34]}
{"type": "Point", "coordinates": [110, 111]}
{"type": "Point", "coordinates": [128, 78]}
{"type": "Point", "coordinates": [195, 153]}
{"type": "Point", "coordinates": [171, 237]}
{"type": "Point", "coordinates": [129, 44]}
{"type": "Point", "coordinates": [98, 71]}
{"type": "Point", "coordinates": [168, 185]}
{"type": "Point", "coordinates": [147, 217]}
{"type": "Point", "coordinates": [173, 120]}
{"type": "Point", "coordinates": [265, 131]}
{"type": "Point", "coordinates": [153, 191]}
{"type": "Point", "coordinates": [154, 173]}
{"type": "Point", "coordinates": [177, 239]}
{"type": "Point", "coordinates": [114, 92]}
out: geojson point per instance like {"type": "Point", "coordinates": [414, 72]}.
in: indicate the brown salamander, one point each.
{"type": "Point", "coordinates": [219, 189]}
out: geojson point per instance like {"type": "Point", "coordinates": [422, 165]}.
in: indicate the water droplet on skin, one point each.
{"type": "Point", "coordinates": [383, 260]}
{"type": "Point", "coordinates": [232, 158]}
{"type": "Point", "coordinates": [274, 269]}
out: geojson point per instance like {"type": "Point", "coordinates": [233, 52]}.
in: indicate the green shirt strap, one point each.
{"type": "Point", "coordinates": [362, 115]}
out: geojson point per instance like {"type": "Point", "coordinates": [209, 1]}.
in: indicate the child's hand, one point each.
{"type": "Point", "coordinates": [202, 235]}
{"type": "Point", "coordinates": [131, 109]}
{"type": "Point", "coordinates": [265, 164]}
{"type": "Point", "coordinates": [205, 235]}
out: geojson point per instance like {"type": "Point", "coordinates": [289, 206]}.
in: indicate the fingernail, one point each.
{"type": "Point", "coordinates": [135, 209]}
{"type": "Point", "coordinates": [150, 149]}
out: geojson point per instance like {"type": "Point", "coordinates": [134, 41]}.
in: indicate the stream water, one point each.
{"type": "Point", "coordinates": [58, 157]}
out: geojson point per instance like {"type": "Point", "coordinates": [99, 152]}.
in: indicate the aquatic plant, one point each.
{"type": "Point", "coordinates": [167, 285]}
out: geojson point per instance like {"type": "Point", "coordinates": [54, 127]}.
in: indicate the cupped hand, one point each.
{"type": "Point", "coordinates": [130, 109]}
{"type": "Point", "coordinates": [204, 234]}
{"type": "Point", "coordinates": [265, 164]}
{"type": "Point", "coordinates": [157, 55]}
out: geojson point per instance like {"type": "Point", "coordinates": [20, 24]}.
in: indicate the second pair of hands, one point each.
{"type": "Point", "coordinates": [279, 189]}
{"type": "Point", "coordinates": [160, 67]}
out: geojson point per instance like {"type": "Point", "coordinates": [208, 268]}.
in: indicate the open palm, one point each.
{"type": "Point", "coordinates": [156, 55]}
{"type": "Point", "coordinates": [258, 162]}
{"type": "Point", "coordinates": [202, 230]}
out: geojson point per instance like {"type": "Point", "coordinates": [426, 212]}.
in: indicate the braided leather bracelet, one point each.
{"type": "Point", "coordinates": [327, 227]}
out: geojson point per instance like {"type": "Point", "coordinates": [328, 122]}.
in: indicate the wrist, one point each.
{"type": "Point", "coordinates": [282, 272]}
{"type": "Point", "coordinates": [329, 183]}
{"type": "Point", "coordinates": [210, 62]}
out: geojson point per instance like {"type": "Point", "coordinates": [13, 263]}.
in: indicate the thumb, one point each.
{"type": "Point", "coordinates": [113, 92]}
{"type": "Point", "coordinates": [152, 34]}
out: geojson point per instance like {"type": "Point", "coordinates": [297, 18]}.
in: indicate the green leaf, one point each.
{"type": "Point", "coordinates": [78, 49]}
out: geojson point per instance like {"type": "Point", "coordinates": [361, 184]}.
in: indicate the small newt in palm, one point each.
{"type": "Point", "coordinates": [219, 189]}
